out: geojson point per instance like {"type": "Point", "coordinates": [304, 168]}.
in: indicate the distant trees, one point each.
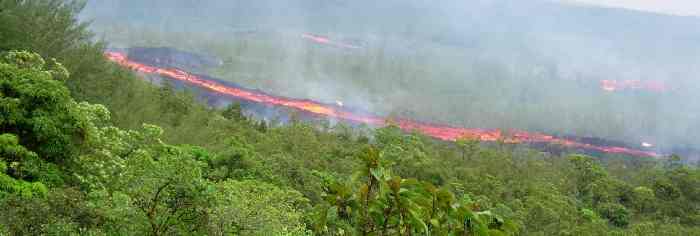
{"type": "Point", "coordinates": [468, 147]}
{"type": "Point", "coordinates": [48, 27]}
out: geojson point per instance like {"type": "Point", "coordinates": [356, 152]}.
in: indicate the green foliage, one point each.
{"type": "Point", "coordinates": [166, 185]}
{"type": "Point", "coordinates": [234, 112]}
{"type": "Point", "coordinates": [377, 202]}
{"type": "Point", "coordinates": [237, 160]}
{"type": "Point", "coordinates": [468, 147]}
{"type": "Point", "coordinates": [255, 208]}
{"type": "Point", "coordinates": [24, 216]}
{"type": "Point", "coordinates": [585, 173]}
{"type": "Point", "coordinates": [666, 190]}
{"type": "Point", "coordinates": [643, 199]}
{"type": "Point", "coordinates": [617, 214]}
{"type": "Point", "coordinates": [589, 215]}
{"type": "Point", "coordinates": [11, 186]}
{"type": "Point", "coordinates": [47, 26]}
{"type": "Point", "coordinates": [39, 109]}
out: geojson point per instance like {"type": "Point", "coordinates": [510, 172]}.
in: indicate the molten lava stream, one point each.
{"type": "Point", "coordinates": [647, 85]}
{"type": "Point", "coordinates": [441, 132]}
{"type": "Point", "coordinates": [327, 41]}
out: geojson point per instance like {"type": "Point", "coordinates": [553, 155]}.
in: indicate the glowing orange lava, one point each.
{"type": "Point", "coordinates": [619, 85]}
{"type": "Point", "coordinates": [437, 131]}
{"type": "Point", "coordinates": [327, 41]}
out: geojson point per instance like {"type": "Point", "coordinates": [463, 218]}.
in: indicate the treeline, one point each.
{"type": "Point", "coordinates": [86, 148]}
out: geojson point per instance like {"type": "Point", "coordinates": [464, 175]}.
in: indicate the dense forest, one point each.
{"type": "Point", "coordinates": [88, 148]}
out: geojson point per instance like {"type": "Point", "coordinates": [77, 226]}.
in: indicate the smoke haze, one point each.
{"type": "Point", "coordinates": [532, 65]}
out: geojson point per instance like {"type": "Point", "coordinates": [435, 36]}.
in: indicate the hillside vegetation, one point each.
{"type": "Point", "coordinates": [87, 148]}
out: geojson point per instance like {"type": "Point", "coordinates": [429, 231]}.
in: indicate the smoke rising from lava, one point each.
{"type": "Point", "coordinates": [446, 133]}
{"type": "Point", "coordinates": [500, 64]}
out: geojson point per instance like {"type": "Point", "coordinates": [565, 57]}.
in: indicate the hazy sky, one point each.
{"type": "Point", "coordinates": [676, 7]}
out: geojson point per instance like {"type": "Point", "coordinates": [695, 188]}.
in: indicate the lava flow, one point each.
{"type": "Point", "coordinates": [436, 131]}
{"type": "Point", "coordinates": [327, 41]}
{"type": "Point", "coordinates": [619, 85]}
